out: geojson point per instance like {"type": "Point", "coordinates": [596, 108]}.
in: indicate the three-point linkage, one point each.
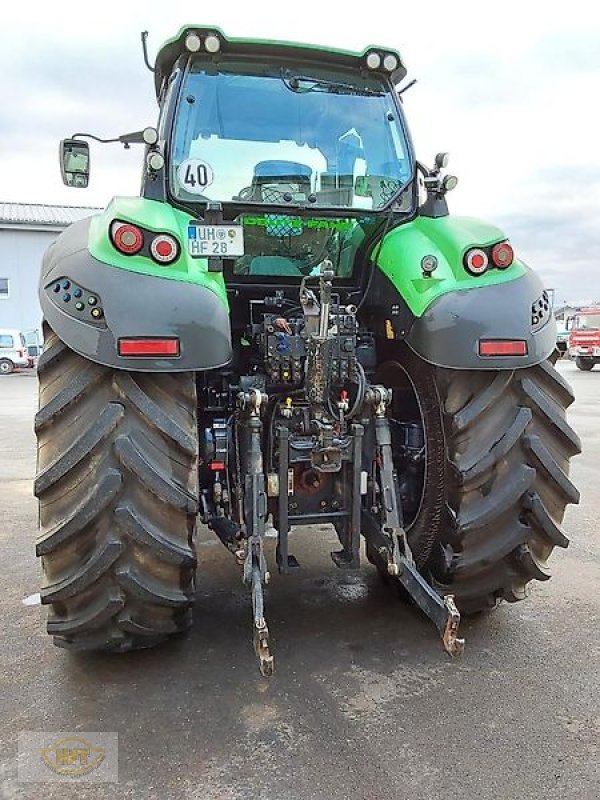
{"type": "Point", "coordinates": [255, 512]}
{"type": "Point", "coordinates": [389, 538]}
{"type": "Point", "coordinates": [318, 455]}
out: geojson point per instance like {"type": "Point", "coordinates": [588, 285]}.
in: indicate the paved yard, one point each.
{"type": "Point", "coordinates": [364, 703]}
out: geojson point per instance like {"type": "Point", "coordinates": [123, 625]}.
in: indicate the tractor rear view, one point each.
{"type": "Point", "coordinates": [286, 328]}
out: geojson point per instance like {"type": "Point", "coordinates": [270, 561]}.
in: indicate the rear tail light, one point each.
{"type": "Point", "coordinates": [149, 347]}
{"type": "Point", "coordinates": [164, 248]}
{"type": "Point", "coordinates": [502, 347]}
{"type": "Point", "coordinates": [127, 238]}
{"type": "Point", "coordinates": [502, 255]}
{"type": "Point", "coordinates": [476, 261]}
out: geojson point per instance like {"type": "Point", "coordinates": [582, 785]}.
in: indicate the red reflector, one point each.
{"type": "Point", "coordinates": [216, 465]}
{"type": "Point", "coordinates": [476, 261]}
{"type": "Point", "coordinates": [502, 255]}
{"type": "Point", "coordinates": [164, 248]}
{"type": "Point", "coordinates": [502, 347]}
{"type": "Point", "coordinates": [148, 347]}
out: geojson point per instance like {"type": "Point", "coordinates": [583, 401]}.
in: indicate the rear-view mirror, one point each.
{"type": "Point", "coordinates": [75, 163]}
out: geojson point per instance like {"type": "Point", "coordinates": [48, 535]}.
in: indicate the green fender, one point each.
{"type": "Point", "coordinates": [446, 315]}
{"type": "Point", "coordinates": [446, 238]}
{"type": "Point", "coordinates": [83, 273]}
{"type": "Point", "coordinates": [160, 218]}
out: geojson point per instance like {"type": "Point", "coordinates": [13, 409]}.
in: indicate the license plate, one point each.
{"type": "Point", "coordinates": [585, 349]}
{"type": "Point", "coordinates": [216, 241]}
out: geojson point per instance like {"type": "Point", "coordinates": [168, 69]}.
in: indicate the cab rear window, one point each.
{"type": "Point", "coordinates": [6, 341]}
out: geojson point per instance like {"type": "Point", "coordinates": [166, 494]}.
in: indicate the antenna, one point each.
{"type": "Point", "coordinates": [144, 38]}
{"type": "Point", "coordinates": [408, 85]}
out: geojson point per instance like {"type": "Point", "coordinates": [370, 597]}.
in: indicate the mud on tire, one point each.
{"type": "Point", "coordinates": [507, 450]}
{"type": "Point", "coordinates": [117, 489]}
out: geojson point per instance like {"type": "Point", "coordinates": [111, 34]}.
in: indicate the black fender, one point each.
{"type": "Point", "coordinates": [132, 305]}
{"type": "Point", "coordinates": [449, 332]}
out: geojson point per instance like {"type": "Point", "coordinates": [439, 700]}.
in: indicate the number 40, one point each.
{"type": "Point", "coordinates": [196, 175]}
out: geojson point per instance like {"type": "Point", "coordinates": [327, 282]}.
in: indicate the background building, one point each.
{"type": "Point", "coordinates": [563, 312]}
{"type": "Point", "coordinates": [25, 233]}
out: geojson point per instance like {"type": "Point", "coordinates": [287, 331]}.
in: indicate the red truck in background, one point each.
{"type": "Point", "coordinates": [584, 337]}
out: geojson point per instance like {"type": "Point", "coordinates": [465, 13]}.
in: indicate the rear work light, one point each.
{"type": "Point", "coordinates": [476, 261]}
{"type": "Point", "coordinates": [127, 238]}
{"type": "Point", "coordinates": [373, 60]}
{"type": "Point", "coordinates": [148, 347]}
{"type": "Point", "coordinates": [164, 248]}
{"type": "Point", "coordinates": [502, 255]}
{"type": "Point", "coordinates": [502, 347]}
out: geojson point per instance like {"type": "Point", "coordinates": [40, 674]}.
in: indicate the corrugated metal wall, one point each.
{"type": "Point", "coordinates": [21, 253]}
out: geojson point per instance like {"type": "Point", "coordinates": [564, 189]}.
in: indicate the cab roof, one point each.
{"type": "Point", "coordinates": [173, 48]}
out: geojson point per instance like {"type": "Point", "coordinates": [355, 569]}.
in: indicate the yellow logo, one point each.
{"type": "Point", "coordinates": [72, 756]}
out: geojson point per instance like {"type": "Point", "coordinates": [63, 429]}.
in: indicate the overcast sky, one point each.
{"type": "Point", "coordinates": [510, 89]}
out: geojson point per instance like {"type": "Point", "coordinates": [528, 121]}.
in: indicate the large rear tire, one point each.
{"type": "Point", "coordinates": [501, 495]}
{"type": "Point", "coordinates": [117, 488]}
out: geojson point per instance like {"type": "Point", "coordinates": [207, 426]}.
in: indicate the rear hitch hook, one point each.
{"type": "Point", "coordinates": [452, 644]}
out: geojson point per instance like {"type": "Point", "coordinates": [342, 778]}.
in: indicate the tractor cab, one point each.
{"type": "Point", "coordinates": [305, 149]}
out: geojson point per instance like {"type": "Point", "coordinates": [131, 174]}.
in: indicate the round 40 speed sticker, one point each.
{"type": "Point", "coordinates": [194, 175]}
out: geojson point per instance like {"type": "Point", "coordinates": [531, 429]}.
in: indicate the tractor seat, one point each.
{"type": "Point", "coordinates": [273, 179]}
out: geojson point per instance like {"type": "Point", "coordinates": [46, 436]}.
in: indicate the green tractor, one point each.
{"type": "Point", "coordinates": [287, 328]}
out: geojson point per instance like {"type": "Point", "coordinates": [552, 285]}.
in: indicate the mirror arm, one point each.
{"type": "Point", "coordinates": [126, 139]}
{"type": "Point", "coordinates": [95, 138]}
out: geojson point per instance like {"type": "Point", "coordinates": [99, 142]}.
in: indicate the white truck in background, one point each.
{"type": "Point", "coordinates": [13, 351]}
